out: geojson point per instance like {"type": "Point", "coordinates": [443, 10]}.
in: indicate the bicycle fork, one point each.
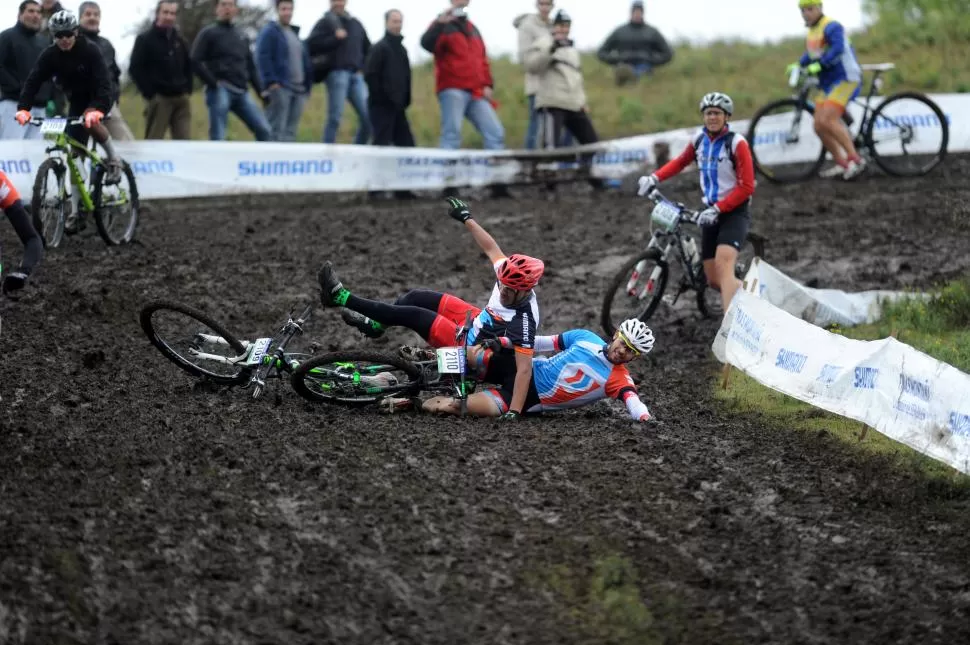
{"type": "Point", "coordinates": [651, 283]}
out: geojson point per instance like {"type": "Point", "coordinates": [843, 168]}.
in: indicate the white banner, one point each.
{"type": "Point", "coordinates": [891, 387]}
{"type": "Point", "coordinates": [170, 169]}
{"type": "Point", "coordinates": [819, 306]}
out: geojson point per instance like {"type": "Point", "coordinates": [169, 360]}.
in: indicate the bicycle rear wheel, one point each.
{"type": "Point", "coordinates": [635, 290]}
{"type": "Point", "coordinates": [115, 205]}
{"type": "Point", "coordinates": [709, 300]}
{"type": "Point", "coordinates": [355, 378]}
{"type": "Point", "coordinates": [908, 135]}
{"type": "Point", "coordinates": [47, 209]}
{"type": "Point", "coordinates": [193, 341]}
{"type": "Point", "coordinates": [784, 146]}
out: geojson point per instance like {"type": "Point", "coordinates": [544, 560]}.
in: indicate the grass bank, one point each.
{"type": "Point", "coordinates": [939, 327]}
{"type": "Point", "coordinates": [752, 74]}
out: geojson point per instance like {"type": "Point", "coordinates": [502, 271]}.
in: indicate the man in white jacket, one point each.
{"type": "Point", "coordinates": [561, 96]}
{"type": "Point", "coordinates": [530, 26]}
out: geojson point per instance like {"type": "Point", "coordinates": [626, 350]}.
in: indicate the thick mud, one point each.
{"type": "Point", "coordinates": [136, 508]}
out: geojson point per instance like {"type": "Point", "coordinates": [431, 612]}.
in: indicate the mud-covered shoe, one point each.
{"type": "Point", "coordinates": [835, 171]}
{"type": "Point", "coordinates": [365, 325]}
{"type": "Point", "coordinates": [395, 404]}
{"type": "Point", "coordinates": [416, 354]}
{"type": "Point", "coordinates": [113, 176]}
{"type": "Point", "coordinates": [854, 169]}
{"type": "Point", "coordinates": [381, 379]}
{"type": "Point", "coordinates": [331, 289]}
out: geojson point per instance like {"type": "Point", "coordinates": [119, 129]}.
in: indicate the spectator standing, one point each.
{"type": "Point", "coordinates": [90, 19]}
{"type": "Point", "coordinates": [463, 81]}
{"type": "Point", "coordinates": [635, 49]}
{"type": "Point", "coordinates": [530, 26]}
{"type": "Point", "coordinates": [162, 71]}
{"type": "Point", "coordinates": [560, 95]}
{"type": "Point", "coordinates": [388, 76]}
{"type": "Point", "coordinates": [342, 38]}
{"type": "Point", "coordinates": [284, 66]}
{"type": "Point", "coordinates": [47, 9]}
{"type": "Point", "coordinates": [225, 64]}
{"type": "Point", "coordinates": [20, 47]}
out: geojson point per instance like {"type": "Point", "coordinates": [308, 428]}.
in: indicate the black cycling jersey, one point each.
{"type": "Point", "coordinates": [80, 72]}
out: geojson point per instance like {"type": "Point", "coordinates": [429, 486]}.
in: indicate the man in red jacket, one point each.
{"type": "Point", "coordinates": [463, 80]}
{"type": "Point", "coordinates": [727, 181]}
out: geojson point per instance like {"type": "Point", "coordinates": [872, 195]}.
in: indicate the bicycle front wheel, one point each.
{"type": "Point", "coordinates": [196, 343]}
{"type": "Point", "coordinates": [355, 378]}
{"type": "Point", "coordinates": [908, 135]}
{"type": "Point", "coordinates": [115, 205]}
{"type": "Point", "coordinates": [784, 146]}
{"type": "Point", "coordinates": [48, 204]}
{"type": "Point", "coordinates": [635, 290]}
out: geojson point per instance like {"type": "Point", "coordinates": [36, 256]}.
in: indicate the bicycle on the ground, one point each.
{"type": "Point", "coordinates": [638, 287]}
{"type": "Point", "coordinates": [113, 206]}
{"type": "Point", "coordinates": [359, 378]}
{"type": "Point", "coordinates": [906, 134]}
{"type": "Point", "coordinates": [205, 349]}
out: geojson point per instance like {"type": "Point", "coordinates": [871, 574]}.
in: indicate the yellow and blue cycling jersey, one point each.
{"type": "Point", "coordinates": [828, 44]}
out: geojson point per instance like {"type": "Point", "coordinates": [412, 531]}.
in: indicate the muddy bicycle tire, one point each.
{"type": "Point", "coordinates": [97, 181]}
{"type": "Point", "coordinates": [51, 236]}
{"type": "Point", "coordinates": [606, 313]}
{"type": "Point", "coordinates": [302, 374]}
{"type": "Point", "coordinates": [171, 354]}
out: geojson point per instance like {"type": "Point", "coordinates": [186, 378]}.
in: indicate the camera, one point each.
{"type": "Point", "coordinates": [458, 12]}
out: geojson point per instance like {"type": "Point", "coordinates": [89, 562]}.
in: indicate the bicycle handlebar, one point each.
{"type": "Point", "coordinates": [78, 120]}
{"type": "Point", "coordinates": [686, 214]}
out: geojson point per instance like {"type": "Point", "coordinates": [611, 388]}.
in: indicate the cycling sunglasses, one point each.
{"type": "Point", "coordinates": [636, 352]}
{"type": "Point", "coordinates": [60, 35]}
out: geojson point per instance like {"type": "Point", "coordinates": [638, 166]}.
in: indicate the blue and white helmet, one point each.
{"type": "Point", "coordinates": [718, 100]}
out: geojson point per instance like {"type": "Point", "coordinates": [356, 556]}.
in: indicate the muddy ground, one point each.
{"type": "Point", "coordinates": [135, 508]}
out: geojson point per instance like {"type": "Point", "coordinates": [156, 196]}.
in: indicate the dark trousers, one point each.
{"type": "Point", "coordinates": [552, 122]}
{"type": "Point", "coordinates": [390, 126]}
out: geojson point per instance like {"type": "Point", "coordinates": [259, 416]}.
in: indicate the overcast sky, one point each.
{"type": "Point", "coordinates": [696, 20]}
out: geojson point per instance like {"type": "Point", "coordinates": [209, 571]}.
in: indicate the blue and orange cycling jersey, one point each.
{"type": "Point", "coordinates": [579, 374]}
{"type": "Point", "coordinates": [828, 44]}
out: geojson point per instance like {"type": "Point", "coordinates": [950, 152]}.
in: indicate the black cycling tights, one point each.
{"type": "Point", "coordinates": [33, 245]}
{"type": "Point", "coordinates": [417, 319]}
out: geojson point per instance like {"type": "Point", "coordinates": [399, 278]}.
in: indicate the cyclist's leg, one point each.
{"type": "Point", "coordinates": [708, 252]}
{"type": "Point", "coordinates": [480, 404]}
{"type": "Point", "coordinates": [836, 100]}
{"type": "Point", "coordinates": [424, 298]}
{"type": "Point", "coordinates": [13, 207]}
{"type": "Point", "coordinates": [427, 324]}
{"type": "Point", "coordinates": [444, 304]}
{"type": "Point", "coordinates": [730, 238]}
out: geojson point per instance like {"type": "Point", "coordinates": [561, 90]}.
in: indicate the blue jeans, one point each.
{"type": "Point", "coordinates": [642, 68]}
{"type": "Point", "coordinates": [533, 130]}
{"type": "Point", "coordinates": [455, 105]}
{"type": "Point", "coordinates": [342, 85]}
{"type": "Point", "coordinates": [283, 113]}
{"type": "Point", "coordinates": [221, 101]}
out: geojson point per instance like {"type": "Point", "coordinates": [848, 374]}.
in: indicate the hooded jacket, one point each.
{"type": "Point", "coordinates": [559, 73]}
{"type": "Point", "coordinates": [530, 27]}
{"type": "Point", "coordinates": [635, 43]}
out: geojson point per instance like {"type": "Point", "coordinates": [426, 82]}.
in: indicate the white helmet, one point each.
{"type": "Point", "coordinates": [718, 100]}
{"type": "Point", "coordinates": [63, 20]}
{"type": "Point", "coordinates": [638, 334]}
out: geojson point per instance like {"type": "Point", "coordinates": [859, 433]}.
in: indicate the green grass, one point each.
{"type": "Point", "coordinates": [940, 327]}
{"type": "Point", "coordinates": [752, 74]}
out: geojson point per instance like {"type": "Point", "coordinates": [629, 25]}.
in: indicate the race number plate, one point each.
{"type": "Point", "coordinates": [665, 216]}
{"type": "Point", "coordinates": [451, 360]}
{"type": "Point", "coordinates": [53, 126]}
{"type": "Point", "coordinates": [258, 350]}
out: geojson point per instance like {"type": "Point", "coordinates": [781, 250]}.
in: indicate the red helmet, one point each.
{"type": "Point", "coordinates": [520, 272]}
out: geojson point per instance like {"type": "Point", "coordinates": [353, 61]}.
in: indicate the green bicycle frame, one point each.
{"type": "Point", "coordinates": [64, 143]}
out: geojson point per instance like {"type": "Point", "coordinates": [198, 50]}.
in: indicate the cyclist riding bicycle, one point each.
{"type": "Point", "coordinates": [13, 207]}
{"type": "Point", "coordinates": [78, 68]}
{"type": "Point", "coordinates": [727, 181]}
{"type": "Point", "coordinates": [512, 310]}
{"type": "Point", "coordinates": [583, 369]}
{"type": "Point", "coordinates": [830, 55]}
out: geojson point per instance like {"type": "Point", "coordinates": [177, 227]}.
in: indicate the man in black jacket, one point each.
{"type": "Point", "coordinates": [162, 71]}
{"type": "Point", "coordinates": [90, 26]}
{"type": "Point", "coordinates": [388, 76]}
{"type": "Point", "coordinates": [342, 38]}
{"type": "Point", "coordinates": [79, 68]}
{"type": "Point", "coordinates": [635, 49]}
{"type": "Point", "coordinates": [20, 47]}
{"type": "Point", "coordinates": [225, 64]}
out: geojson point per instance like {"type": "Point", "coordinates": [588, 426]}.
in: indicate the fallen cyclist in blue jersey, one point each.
{"type": "Point", "coordinates": [582, 369]}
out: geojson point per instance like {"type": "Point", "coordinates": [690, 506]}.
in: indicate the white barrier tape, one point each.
{"type": "Point", "coordinates": [819, 306]}
{"type": "Point", "coordinates": [170, 169]}
{"type": "Point", "coordinates": [891, 387]}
